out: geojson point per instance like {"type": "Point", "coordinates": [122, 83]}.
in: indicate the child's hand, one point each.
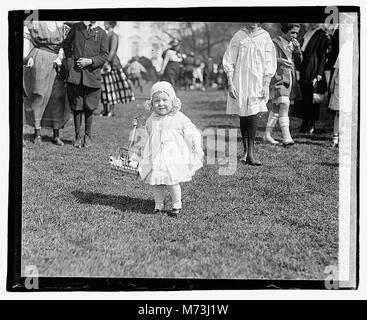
{"type": "Point", "coordinates": [285, 63]}
{"type": "Point", "coordinates": [57, 62]}
{"type": "Point", "coordinates": [30, 63]}
{"type": "Point", "coordinates": [265, 91]}
{"type": "Point", "coordinates": [296, 45]}
{"type": "Point", "coordinates": [232, 92]}
{"type": "Point", "coordinates": [200, 154]}
{"type": "Point", "coordinates": [198, 151]}
{"type": "Point", "coordinates": [84, 62]}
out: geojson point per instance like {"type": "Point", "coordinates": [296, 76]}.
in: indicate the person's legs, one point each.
{"type": "Point", "coordinates": [91, 101]}
{"type": "Point", "coordinates": [37, 136]}
{"type": "Point", "coordinates": [111, 112]}
{"type": "Point", "coordinates": [272, 121]}
{"type": "Point", "coordinates": [284, 123]}
{"type": "Point", "coordinates": [158, 193]}
{"type": "Point", "coordinates": [78, 116]}
{"type": "Point", "coordinates": [88, 114]}
{"type": "Point", "coordinates": [76, 102]}
{"type": "Point", "coordinates": [175, 192]}
{"type": "Point", "coordinates": [105, 110]}
{"type": "Point", "coordinates": [251, 131]}
{"type": "Point", "coordinates": [243, 128]}
{"type": "Point", "coordinates": [336, 130]}
{"type": "Point", "coordinates": [56, 139]}
{"type": "Point", "coordinates": [307, 96]}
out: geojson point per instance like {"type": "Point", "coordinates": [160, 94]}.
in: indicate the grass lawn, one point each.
{"type": "Point", "coordinates": [278, 221]}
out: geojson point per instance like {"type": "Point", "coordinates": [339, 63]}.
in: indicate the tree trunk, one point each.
{"type": "Point", "coordinates": [208, 46]}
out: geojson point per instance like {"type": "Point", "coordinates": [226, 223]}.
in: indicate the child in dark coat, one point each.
{"type": "Point", "coordinates": [86, 49]}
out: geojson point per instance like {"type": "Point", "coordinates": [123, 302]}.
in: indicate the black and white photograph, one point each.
{"type": "Point", "coordinates": [184, 149]}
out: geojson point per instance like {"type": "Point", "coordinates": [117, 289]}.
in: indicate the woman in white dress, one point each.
{"type": "Point", "coordinates": [250, 63]}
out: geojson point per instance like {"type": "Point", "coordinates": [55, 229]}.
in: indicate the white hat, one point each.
{"type": "Point", "coordinates": [163, 86]}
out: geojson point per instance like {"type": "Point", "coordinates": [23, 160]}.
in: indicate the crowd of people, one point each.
{"type": "Point", "coordinates": [287, 72]}
{"type": "Point", "coordinates": [82, 55]}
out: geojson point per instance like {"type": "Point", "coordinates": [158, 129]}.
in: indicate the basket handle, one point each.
{"type": "Point", "coordinates": [131, 140]}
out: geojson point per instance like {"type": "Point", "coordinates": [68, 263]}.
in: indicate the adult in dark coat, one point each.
{"type": "Point", "coordinates": [86, 49]}
{"type": "Point", "coordinates": [312, 73]}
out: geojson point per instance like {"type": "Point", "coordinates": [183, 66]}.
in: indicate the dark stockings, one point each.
{"type": "Point", "coordinates": [248, 126]}
{"type": "Point", "coordinates": [56, 133]}
{"type": "Point", "coordinates": [78, 116]}
{"type": "Point", "coordinates": [88, 122]}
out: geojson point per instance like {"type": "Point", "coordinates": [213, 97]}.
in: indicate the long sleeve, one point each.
{"type": "Point", "coordinates": [67, 44]}
{"type": "Point", "coordinates": [191, 133]}
{"type": "Point", "coordinates": [113, 47]}
{"type": "Point", "coordinates": [270, 61]}
{"type": "Point", "coordinates": [297, 58]}
{"type": "Point", "coordinates": [100, 59]}
{"type": "Point", "coordinates": [230, 57]}
{"type": "Point", "coordinates": [322, 48]}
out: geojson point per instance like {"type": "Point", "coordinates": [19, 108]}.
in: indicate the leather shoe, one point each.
{"type": "Point", "coordinates": [157, 211]}
{"type": "Point", "coordinates": [87, 141]}
{"type": "Point", "coordinates": [37, 139]}
{"type": "Point", "coordinates": [57, 141]}
{"type": "Point", "coordinates": [288, 144]}
{"type": "Point", "coordinates": [78, 142]}
{"type": "Point", "coordinates": [253, 162]}
{"type": "Point", "coordinates": [174, 212]}
{"type": "Point", "coordinates": [310, 132]}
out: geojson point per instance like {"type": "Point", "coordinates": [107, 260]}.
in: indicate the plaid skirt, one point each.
{"type": "Point", "coordinates": [115, 87]}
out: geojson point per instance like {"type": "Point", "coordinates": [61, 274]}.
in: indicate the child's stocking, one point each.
{"type": "Point", "coordinates": [336, 130]}
{"type": "Point", "coordinates": [78, 115]}
{"type": "Point", "coordinates": [272, 120]}
{"type": "Point", "coordinates": [251, 129]}
{"type": "Point", "coordinates": [284, 126]}
{"type": "Point", "coordinates": [158, 192]}
{"type": "Point", "coordinates": [175, 191]}
{"type": "Point", "coordinates": [88, 122]}
{"type": "Point", "coordinates": [243, 127]}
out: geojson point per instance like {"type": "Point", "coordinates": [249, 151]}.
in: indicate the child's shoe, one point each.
{"type": "Point", "coordinates": [87, 141]}
{"type": "Point", "coordinates": [253, 162]}
{"type": "Point", "coordinates": [174, 212]}
{"type": "Point", "coordinates": [335, 143]}
{"type": "Point", "coordinates": [78, 141]}
{"type": "Point", "coordinates": [244, 157]}
{"type": "Point", "coordinates": [267, 138]}
{"type": "Point", "coordinates": [57, 141]}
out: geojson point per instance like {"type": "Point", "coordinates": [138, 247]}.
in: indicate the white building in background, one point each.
{"type": "Point", "coordinates": [144, 38]}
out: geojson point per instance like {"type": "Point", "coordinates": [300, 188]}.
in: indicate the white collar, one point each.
{"type": "Point", "coordinates": [93, 25]}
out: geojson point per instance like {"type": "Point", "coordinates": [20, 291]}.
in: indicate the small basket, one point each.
{"type": "Point", "coordinates": [122, 162]}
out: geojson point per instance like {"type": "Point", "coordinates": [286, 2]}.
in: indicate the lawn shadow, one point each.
{"type": "Point", "coordinates": [30, 137]}
{"type": "Point", "coordinates": [121, 203]}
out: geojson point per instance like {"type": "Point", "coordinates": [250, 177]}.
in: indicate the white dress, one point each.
{"type": "Point", "coordinates": [251, 58]}
{"type": "Point", "coordinates": [169, 155]}
{"type": "Point", "coordinates": [335, 97]}
{"type": "Point", "coordinates": [343, 78]}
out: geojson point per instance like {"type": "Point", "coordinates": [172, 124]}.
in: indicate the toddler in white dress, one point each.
{"type": "Point", "coordinates": [173, 149]}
